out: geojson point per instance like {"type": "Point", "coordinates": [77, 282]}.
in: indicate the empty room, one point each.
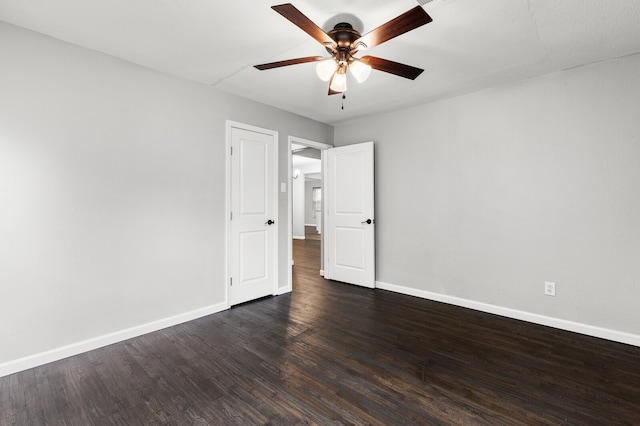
{"type": "Point", "coordinates": [470, 249]}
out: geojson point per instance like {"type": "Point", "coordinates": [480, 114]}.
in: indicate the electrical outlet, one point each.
{"type": "Point", "coordinates": [549, 288]}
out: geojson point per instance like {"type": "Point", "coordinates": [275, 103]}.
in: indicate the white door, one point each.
{"type": "Point", "coordinates": [350, 223]}
{"type": "Point", "coordinates": [253, 200]}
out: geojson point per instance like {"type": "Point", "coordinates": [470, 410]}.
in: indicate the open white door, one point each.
{"type": "Point", "coordinates": [350, 224]}
{"type": "Point", "coordinates": [253, 201]}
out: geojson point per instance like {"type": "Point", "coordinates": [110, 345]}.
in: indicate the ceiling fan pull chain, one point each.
{"type": "Point", "coordinates": [343, 98]}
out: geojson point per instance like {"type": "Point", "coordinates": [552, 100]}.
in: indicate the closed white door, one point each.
{"type": "Point", "coordinates": [253, 200]}
{"type": "Point", "coordinates": [350, 223]}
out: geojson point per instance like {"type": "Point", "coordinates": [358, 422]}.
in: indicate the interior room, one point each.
{"type": "Point", "coordinates": [502, 241]}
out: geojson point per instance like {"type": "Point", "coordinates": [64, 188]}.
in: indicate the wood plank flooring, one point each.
{"type": "Point", "coordinates": [311, 233]}
{"type": "Point", "coordinates": [331, 353]}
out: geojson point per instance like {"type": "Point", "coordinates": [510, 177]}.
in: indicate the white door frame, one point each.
{"type": "Point", "coordinates": [227, 260]}
{"type": "Point", "coordinates": [311, 144]}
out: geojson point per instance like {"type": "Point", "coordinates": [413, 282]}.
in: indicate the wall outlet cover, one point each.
{"type": "Point", "coordinates": [549, 288]}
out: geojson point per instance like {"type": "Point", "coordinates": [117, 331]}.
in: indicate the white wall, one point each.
{"type": "Point", "coordinates": [308, 200]}
{"type": "Point", "coordinates": [112, 193]}
{"type": "Point", "coordinates": [484, 197]}
{"type": "Point", "coordinates": [298, 189]}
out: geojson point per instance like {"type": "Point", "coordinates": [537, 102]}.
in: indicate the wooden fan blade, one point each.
{"type": "Point", "coordinates": [402, 70]}
{"type": "Point", "coordinates": [305, 24]}
{"type": "Point", "coordinates": [288, 62]}
{"type": "Point", "coordinates": [406, 22]}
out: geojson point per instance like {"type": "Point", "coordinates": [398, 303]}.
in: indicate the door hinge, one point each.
{"type": "Point", "coordinates": [231, 148]}
{"type": "Point", "coordinates": [231, 281]}
{"type": "Point", "coordinates": [230, 215]}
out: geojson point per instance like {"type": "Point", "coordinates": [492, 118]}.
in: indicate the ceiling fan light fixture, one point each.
{"type": "Point", "coordinates": [325, 69]}
{"type": "Point", "coordinates": [345, 40]}
{"type": "Point", "coordinates": [339, 81]}
{"type": "Point", "coordinates": [360, 70]}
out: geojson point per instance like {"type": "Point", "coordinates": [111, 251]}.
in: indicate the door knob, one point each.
{"type": "Point", "coordinates": [270, 222]}
{"type": "Point", "coordinates": [368, 222]}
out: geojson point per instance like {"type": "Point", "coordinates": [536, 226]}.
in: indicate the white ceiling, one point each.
{"type": "Point", "coordinates": [470, 45]}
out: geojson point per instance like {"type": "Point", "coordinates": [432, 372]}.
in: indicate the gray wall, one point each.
{"type": "Point", "coordinates": [486, 196]}
{"type": "Point", "coordinates": [112, 192]}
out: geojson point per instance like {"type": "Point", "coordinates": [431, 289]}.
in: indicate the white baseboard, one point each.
{"type": "Point", "coordinates": [298, 237]}
{"type": "Point", "coordinates": [52, 355]}
{"type": "Point", "coordinates": [283, 290]}
{"type": "Point", "coordinates": [589, 330]}
{"type": "Point", "coordinates": [322, 272]}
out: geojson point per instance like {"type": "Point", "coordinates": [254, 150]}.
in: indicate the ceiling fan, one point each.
{"type": "Point", "coordinates": [343, 42]}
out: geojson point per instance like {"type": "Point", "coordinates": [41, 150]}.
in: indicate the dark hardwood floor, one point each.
{"type": "Point", "coordinates": [331, 353]}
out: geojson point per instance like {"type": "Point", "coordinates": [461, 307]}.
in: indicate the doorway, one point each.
{"type": "Point", "coordinates": [305, 159]}
{"type": "Point", "coordinates": [347, 219]}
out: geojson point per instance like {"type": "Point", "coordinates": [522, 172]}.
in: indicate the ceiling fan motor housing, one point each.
{"type": "Point", "coordinates": [344, 35]}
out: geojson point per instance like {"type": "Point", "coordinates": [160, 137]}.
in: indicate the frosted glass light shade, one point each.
{"type": "Point", "coordinates": [339, 83]}
{"type": "Point", "coordinates": [360, 71]}
{"type": "Point", "coordinates": [325, 69]}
